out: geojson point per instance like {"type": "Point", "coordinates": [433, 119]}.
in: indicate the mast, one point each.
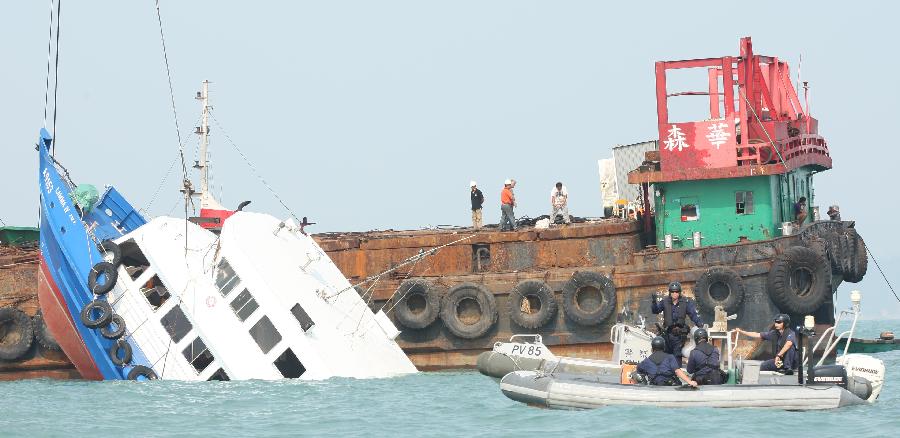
{"type": "Point", "coordinates": [207, 201]}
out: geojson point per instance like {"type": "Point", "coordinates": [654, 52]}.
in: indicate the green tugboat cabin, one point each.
{"type": "Point", "coordinates": [736, 175]}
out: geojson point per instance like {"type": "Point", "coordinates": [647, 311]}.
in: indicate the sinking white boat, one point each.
{"type": "Point", "coordinates": [131, 299]}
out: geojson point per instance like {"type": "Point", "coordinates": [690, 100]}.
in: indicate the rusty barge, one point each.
{"type": "Point", "coordinates": [725, 205]}
{"type": "Point", "coordinates": [26, 348]}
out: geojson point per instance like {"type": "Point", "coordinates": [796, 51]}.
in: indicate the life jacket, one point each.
{"type": "Point", "coordinates": [658, 376]}
{"type": "Point", "coordinates": [708, 364]}
{"type": "Point", "coordinates": [668, 309]}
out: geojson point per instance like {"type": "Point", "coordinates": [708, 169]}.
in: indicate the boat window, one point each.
{"type": "Point", "coordinates": [155, 291]}
{"type": "Point", "coordinates": [219, 375]}
{"type": "Point", "coordinates": [289, 365]}
{"type": "Point", "coordinates": [265, 334]}
{"type": "Point", "coordinates": [133, 259]}
{"type": "Point", "coordinates": [306, 322]}
{"type": "Point", "coordinates": [198, 355]}
{"type": "Point", "coordinates": [226, 279]}
{"type": "Point", "coordinates": [244, 305]}
{"type": "Point", "coordinates": [176, 323]}
{"type": "Point", "coordinates": [690, 212]}
{"type": "Point", "coordinates": [743, 202]}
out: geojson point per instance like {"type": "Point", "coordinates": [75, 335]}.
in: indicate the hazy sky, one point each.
{"type": "Point", "coordinates": [372, 115]}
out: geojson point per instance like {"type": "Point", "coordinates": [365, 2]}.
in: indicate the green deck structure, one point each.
{"type": "Point", "coordinates": [19, 236]}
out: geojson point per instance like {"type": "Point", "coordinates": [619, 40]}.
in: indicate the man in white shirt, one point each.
{"type": "Point", "coordinates": [559, 201]}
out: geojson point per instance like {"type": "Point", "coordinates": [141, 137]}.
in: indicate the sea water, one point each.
{"type": "Point", "coordinates": [461, 403]}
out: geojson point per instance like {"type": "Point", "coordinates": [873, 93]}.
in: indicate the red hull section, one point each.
{"type": "Point", "coordinates": [62, 327]}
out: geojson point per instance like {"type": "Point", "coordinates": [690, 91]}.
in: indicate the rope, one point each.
{"type": "Point", "coordinates": [1, 222]}
{"type": "Point", "coordinates": [165, 177]}
{"type": "Point", "coordinates": [881, 271]}
{"type": "Point", "coordinates": [252, 168]}
{"type": "Point", "coordinates": [56, 77]}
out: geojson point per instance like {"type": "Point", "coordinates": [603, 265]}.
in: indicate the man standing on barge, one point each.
{"type": "Point", "coordinates": [477, 200]}
{"type": "Point", "coordinates": [559, 202]}
{"type": "Point", "coordinates": [507, 202]}
{"type": "Point", "coordinates": [675, 309]}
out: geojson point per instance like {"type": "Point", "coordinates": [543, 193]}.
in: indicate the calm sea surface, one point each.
{"type": "Point", "coordinates": [461, 403]}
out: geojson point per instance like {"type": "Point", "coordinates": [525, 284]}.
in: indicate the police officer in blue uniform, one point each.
{"type": "Point", "coordinates": [661, 368]}
{"type": "Point", "coordinates": [675, 309]}
{"type": "Point", "coordinates": [703, 363]}
{"type": "Point", "coordinates": [784, 343]}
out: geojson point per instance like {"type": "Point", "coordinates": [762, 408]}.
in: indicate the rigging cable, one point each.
{"type": "Point", "coordinates": [56, 77]}
{"type": "Point", "coordinates": [252, 168]}
{"type": "Point", "coordinates": [882, 272]}
{"type": "Point", "coordinates": [49, 55]}
{"type": "Point", "coordinates": [184, 174]}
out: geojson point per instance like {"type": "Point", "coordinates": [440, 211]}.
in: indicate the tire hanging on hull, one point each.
{"type": "Point", "coordinates": [16, 333]}
{"type": "Point", "coordinates": [458, 304]}
{"type": "Point", "coordinates": [719, 287]}
{"type": "Point", "coordinates": [589, 298]}
{"type": "Point", "coordinates": [522, 300]}
{"type": "Point", "coordinates": [418, 305]}
{"type": "Point", "coordinates": [42, 334]}
{"type": "Point", "coordinates": [799, 281]}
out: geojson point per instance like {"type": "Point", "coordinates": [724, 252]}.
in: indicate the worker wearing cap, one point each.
{"type": "Point", "coordinates": [477, 200]}
{"type": "Point", "coordinates": [507, 202]}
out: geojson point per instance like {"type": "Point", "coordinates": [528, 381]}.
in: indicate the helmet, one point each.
{"type": "Point", "coordinates": [472, 184]}
{"type": "Point", "coordinates": [658, 344]}
{"type": "Point", "coordinates": [701, 333]}
{"type": "Point", "coordinates": [783, 317]}
{"type": "Point", "coordinates": [674, 287]}
{"type": "Point", "coordinates": [507, 182]}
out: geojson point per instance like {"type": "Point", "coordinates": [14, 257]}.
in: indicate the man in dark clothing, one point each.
{"type": "Point", "coordinates": [800, 211]}
{"type": "Point", "coordinates": [477, 200]}
{"type": "Point", "coordinates": [661, 368]}
{"type": "Point", "coordinates": [703, 363]}
{"type": "Point", "coordinates": [675, 309]}
{"type": "Point", "coordinates": [784, 343]}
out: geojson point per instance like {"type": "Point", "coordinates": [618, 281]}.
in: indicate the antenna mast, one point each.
{"type": "Point", "coordinates": [206, 199]}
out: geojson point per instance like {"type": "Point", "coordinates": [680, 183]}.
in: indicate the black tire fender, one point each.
{"type": "Point", "coordinates": [141, 371]}
{"type": "Point", "coordinates": [115, 329]}
{"type": "Point", "coordinates": [91, 321]}
{"type": "Point", "coordinates": [16, 333]}
{"type": "Point", "coordinates": [110, 252]}
{"type": "Point", "coordinates": [476, 294]}
{"type": "Point", "coordinates": [719, 287]}
{"type": "Point", "coordinates": [120, 352]}
{"type": "Point", "coordinates": [42, 334]}
{"type": "Point", "coordinates": [799, 281]}
{"type": "Point", "coordinates": [859, 260]}
{"type": "Point", "coordinates": [585, 283]}
{"type": "Point", "coordinates": [524, 292]}
{"type": "Point", "coordinates": [109, 274]}
{"type": "Point", "coordinates": [418, 303]}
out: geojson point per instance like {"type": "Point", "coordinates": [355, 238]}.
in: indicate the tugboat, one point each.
{"type": "Point", "coordinates": [715, 211]}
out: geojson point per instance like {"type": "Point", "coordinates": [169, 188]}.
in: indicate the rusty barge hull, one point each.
{"type": "Point", "coordinates": [18, 290]}
{"type": "Point", "coordinates": [499, 261]}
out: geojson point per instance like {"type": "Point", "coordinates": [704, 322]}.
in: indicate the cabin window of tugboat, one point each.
{"type": "Point", "coordinates": [289, 366]}
{"type": "Point", "coordinates": [226, 279]}
{"type": "Point", "coordinates": [176, 323]}
{"type": "Point", "coordinates": [198, 355]}
{"type": "Point", "coordinates": [244, 305]}
{"type": "Point", "coordinates": [303, 318]}
{"type": "Point", "coordinates": [743, 202]}
{"type": "Point", "coordinates": [265, 334]}
{"type": "Point", "coordinates": [690, 210]}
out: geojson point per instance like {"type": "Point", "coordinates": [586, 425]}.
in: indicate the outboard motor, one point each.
{"type": "Point", "coordinates": [864, 373]}
{"type": "Point", "coordinates": [828, 375]}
